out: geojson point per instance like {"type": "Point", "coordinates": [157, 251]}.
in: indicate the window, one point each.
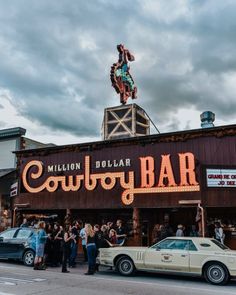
{"type": "Point", "coordinates": [24, 233]}
{"type": "Point", "coordinates": [221, 246]}
{"type": "Point", "coordinates": [192, 247]}
{"type": "Point", "coordinates": [172, 244]}
{"type": "Point", "coordinates": [8, 234]}
{"type": "Point", "coordinates": [166, 244]}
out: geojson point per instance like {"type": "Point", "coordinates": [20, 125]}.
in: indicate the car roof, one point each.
{"type": "Point", "coordinates": [16, 228]}
{"type": "Point", "coordinates": [189, 238]}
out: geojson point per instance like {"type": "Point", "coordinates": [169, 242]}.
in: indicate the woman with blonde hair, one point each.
{"type": "Point", "coordinates": [113, 237]}
{"type": "Point", "coordinates": [91, 248]}
{"type": "Point", "coordinates": [41, 238]}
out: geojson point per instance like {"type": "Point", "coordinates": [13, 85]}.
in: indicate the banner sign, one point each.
{"type": "Point", "coordinates": [221, 177]}
{"type": "Point", "coordinates": [14, 189]}
{"type": "Point", "coordinates": [89, 174]}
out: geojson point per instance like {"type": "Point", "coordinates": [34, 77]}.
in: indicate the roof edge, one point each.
{"type": "Point", "coordinates": [12, 132]}
{"type": "Point", "coordinates": [218, 131]}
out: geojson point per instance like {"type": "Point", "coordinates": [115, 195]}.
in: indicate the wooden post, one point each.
{"type": "Point", "coordinates": [14, 217]}
{"type": "Point", "coordinates": [136, 227]}
{"type": "Point", "coordinates": [201, 223]}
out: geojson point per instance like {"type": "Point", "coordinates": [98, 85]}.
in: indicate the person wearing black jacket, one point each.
{"type": "Point", "coordinates": [68, 237]}
{"type": "Point", "coordinates": [120, 230]}
{"type": "Point", "coordinates": [101, 238]}
{"type": "Point", "coordinates": [74, 243]}
{"type": "Point", "coordinates": [57, 244]}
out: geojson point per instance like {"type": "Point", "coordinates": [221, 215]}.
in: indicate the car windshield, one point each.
{"type": "Point", "coordinates": [221, 246]}
{"type": "Point", "coordinates": [8, 234]}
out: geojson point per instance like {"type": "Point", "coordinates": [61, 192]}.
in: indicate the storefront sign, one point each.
{"type": "Point", "coordinates": [151, 181]}
{"type": "Point", "coordinates": [221, 177]}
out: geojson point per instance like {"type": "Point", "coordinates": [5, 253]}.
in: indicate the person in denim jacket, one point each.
{"type": "Point", "coordinates": [41, 239]}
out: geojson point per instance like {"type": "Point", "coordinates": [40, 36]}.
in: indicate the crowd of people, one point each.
{"type": "Point", "coordinates": [57, 245]}
{"type": "Point", "coordinates": [162, 231]}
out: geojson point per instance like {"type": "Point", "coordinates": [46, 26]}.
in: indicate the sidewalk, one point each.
{"type": "Point", "coordinates": [81, 268]}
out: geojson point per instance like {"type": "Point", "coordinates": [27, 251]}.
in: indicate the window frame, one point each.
{"type": "Point", "coordinates": [189, 243]}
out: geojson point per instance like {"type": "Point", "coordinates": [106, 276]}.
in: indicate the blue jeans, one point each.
{"type": "Point", "coordinates": [91, 251]}
{"type": "Point", "coordinates": [73, 254]}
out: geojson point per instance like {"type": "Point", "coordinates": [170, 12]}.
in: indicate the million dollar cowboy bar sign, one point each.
{"type": "Point", "coordinates": [134, 175]}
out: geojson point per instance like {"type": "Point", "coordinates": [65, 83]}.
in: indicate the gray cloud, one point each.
{"type": "Point", "coordinates": [56, 58]}
{"type": "Point", "coordinates": [2, 124]}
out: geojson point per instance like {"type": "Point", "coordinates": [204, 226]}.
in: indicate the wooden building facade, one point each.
{"type": "Point", "coordinates": [142, 180]}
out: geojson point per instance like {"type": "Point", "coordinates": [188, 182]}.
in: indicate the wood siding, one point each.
{"type": "Point", "coordinates": [208, 151]}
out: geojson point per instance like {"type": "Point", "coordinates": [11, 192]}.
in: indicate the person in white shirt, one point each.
{"type": "Point", "coordinates": [180, 231]}
{"type": "Point", "coordinates": [219, 233]}
{"type": "Point", "coordinates": [82, 235]}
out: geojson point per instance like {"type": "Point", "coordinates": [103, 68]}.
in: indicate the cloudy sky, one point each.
{"type": "Point", "coordinates": [55, 59]}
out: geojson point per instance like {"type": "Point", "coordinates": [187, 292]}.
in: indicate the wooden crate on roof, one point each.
{"type": "Point", "coordinates": [125, 121]}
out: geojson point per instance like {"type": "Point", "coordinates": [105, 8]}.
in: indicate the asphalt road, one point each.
{"type": "Point", "coordinates": [16, 279]}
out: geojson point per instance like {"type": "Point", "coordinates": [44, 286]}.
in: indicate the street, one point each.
{"type": "Point", "coordinates": [16, 279]}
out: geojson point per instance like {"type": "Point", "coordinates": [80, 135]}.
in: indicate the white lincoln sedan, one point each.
{"type": "Point", "coordinates": [186, 256]}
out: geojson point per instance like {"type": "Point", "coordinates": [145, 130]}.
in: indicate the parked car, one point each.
{"type": "Point", "coordinates": [175, 255]}
{"type": "Point", "coordinates": [19, 244]}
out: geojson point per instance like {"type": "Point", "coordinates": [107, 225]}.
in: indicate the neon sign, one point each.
{"type": "Point", "coordinates": [166, 180]}
{"type": "Point", "coordinates": [121, 79]}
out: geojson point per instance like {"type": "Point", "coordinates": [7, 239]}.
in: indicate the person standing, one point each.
{"type": "Point", "coordinates": [25, 223]}
{"type": "Point", "coordinates": [120, 231]}
{"type": "Point", "coordinates": [180, 231]}
{"type": "Point", "coordinates": [219, 233]}
{"type": "Point", "coordinates": [193, 231]}
{"type": "Point", "coordinates": [91, 249]}
{"type": "Point", "coordinates": [101, 236]}
{"type": "Point", "coordinates": [82, 235]}
{"type": "Point", "coordinates": [156, 234]}
{"type": "Point", "coordinates": [73, 254]}
{"type": "Point", "coordinates": [68, 237]}
{"type": "Point", "coordinates": [57, 244]}
{"type": "Point", "coordinates": [113, 237]}
{"type": "Point", "coordinates": [41, 238]}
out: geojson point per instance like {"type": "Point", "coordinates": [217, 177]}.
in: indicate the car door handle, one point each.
{"type": "Point", "coordinates": [183, 255]}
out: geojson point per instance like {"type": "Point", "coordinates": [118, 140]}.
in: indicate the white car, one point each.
{"type": "Point", "coordinates": [186, 255]}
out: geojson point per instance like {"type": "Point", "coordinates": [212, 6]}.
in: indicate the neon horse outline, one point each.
{"type": "Point", "coordinates": [121, 79]}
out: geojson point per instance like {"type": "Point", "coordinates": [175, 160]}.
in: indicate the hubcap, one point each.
{"type": "Point", "coordinates": [29, 257]}
{"type": "Point", "coordinates": [126, 266]}
{"type": "Point", "coordinates": [216, 273]}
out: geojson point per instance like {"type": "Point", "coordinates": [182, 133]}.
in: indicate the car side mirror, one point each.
{"type": "Point", "coordinates": [158, 248]}
{"type": "Point", "coordinates": [1, 239]}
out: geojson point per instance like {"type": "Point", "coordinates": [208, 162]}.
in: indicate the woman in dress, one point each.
{"type": "Point", "coordinates": [41, 239]}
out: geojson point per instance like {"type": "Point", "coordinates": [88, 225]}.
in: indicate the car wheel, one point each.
{"type": "Point", "coordinates": [216, 274]}
{"type": "Point", "coordinates": [28, 258]}
{"type": "Point", "coordinates": [125, 266]}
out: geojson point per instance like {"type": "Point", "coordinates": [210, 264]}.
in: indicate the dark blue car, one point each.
{"type": "Point", "coordinates": [19, 244]}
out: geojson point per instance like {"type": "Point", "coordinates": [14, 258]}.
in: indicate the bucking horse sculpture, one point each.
{"type": "Point", "coordinates": [121, 79]}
